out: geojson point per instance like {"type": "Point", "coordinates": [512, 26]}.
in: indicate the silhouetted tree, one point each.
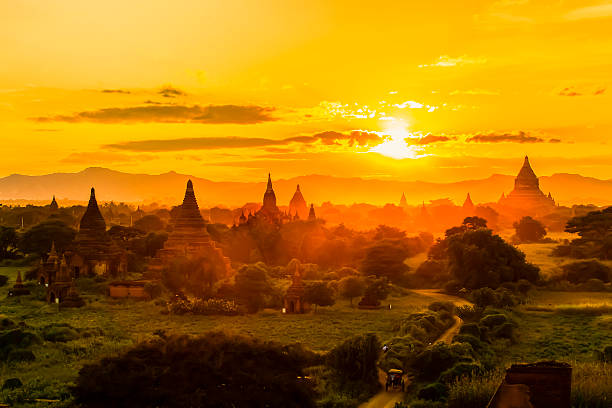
{"type": "Point", "coordinates": [213, 370]}
{"type": "Point", "coordinates": [319, 294]}
{"type": "Point", "coordinates": [253, 286]}
{"type": "Point", "coordinates": [8, 242]}
{"type": "Point", "coordinates": [529, 230]}
{"type": "Point", "coordinates": [39, 238]}
{"type": "Point", "coordinates": [385, 259]}
{"type": "Point", "coordinates": [150, 223]}
{"type": "Point", "coordinates": [351, 287]}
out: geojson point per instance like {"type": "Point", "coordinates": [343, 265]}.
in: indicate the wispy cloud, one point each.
{"type": "Point", "coordinates": [492, 137]}
{"type": "Point", "coordinates": [119, 91]}
{"type": "Point", "coordinates": [215, 114]}
{"type": "Point", "coordinates": [597, 11]}
{"type": "Point", "coordinates": [169, 91]}
{"type": "Point", "coordinates": [473, 92]}
{"type": "Point", "coordinates": [430, 139]}
{"type": "Point", "coordinates": [329, 138]}
{"type": "Point", "coordinates": [446, 61]}
{"type": "Point", "coordinates": [574, 91]}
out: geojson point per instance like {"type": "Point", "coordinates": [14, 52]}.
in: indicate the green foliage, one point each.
{"type": "Point", "coordinates": [474, 391]}
{"type": "Point", "coordinates": [56, 333]}
{"type": "Point", "coordinates": [351, 287]}
{"type": "Point", "coordinates": [39, 238]}
{"type": "Point", "coordinates": [216, 369]}
{"type": "Point", "coordinates": [355, 360]}
{"type": "Point", "coordinates": [149, 223]}
{"type": "Point", "coordinates": [582, 271]}
{"type": "Point", "coordinates": [3, 280]}
{"type": "Point", "coordinates": [253, 286]}
{"type": "Point", "coordinates": [595, 231]}
{"type": "Point", "coordinates": [20, 355]}
{"type": "Point", "coordinates": [193, 275]}
{"type": "Point", "coordinates": [529, 230]}
{"type": "Point", "coordinates": [319, 294]}
{"type": "Point", "coordinates": [493, 320]}
{"type": "Point", "coordinates": [8, 243]}
{"type": "Point", "coordinates": [385, 259]}
{"type": "Point", "coordinates": [210, 306]}
{"type": "Point", "coordinates": [434, 392]}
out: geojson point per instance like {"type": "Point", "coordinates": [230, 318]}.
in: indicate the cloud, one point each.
{"type": "Point", "coordinates": [171, 92]}
{"type": "Point", "coordinates": [119, 91]}
{"type": "Point", "coordinates": [446, 61]}
{"type": "Point", "coordinates": [573, 91]}
{"type": "Point", "coordinates": [519, 137]}
{"type": "Point", "coordinates": [473, 92]}
{"type": "Point", "coordinates": [430, 139]}
{"type": "Point", "coordinates": [105, 157]}
{"type": "Point", "coordinates": [217, 114]}
{"type": "Point", "coordinates": [352, 138]}
{"type": "Point", "coordinates": [554, 140]}
{"type": "Point", "coordinates": [329, 138]}
{"type": "Point", "coordinates": [598, 11]}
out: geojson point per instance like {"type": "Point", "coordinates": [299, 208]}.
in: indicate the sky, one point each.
{"type": "Point", "coordinates": [231, 90]}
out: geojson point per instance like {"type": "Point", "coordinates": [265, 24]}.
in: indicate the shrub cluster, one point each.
{"type": "Point", "coordinates": [210, 306]}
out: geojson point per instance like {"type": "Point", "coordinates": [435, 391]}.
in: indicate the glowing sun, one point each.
{"type": "Point", "coordinates": [395, 145]}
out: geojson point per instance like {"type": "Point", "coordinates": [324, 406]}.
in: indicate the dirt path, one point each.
{"type": "Point", "coordinates": [387, 399]}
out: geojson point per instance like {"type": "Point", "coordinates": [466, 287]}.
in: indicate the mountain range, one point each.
{"type": "Point", "coordinates": [168, 188]}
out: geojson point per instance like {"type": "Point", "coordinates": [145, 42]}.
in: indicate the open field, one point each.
{"type": "Point", "coordinates": [123, 323]}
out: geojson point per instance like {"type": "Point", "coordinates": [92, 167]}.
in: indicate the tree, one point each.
{"type": "Point", "coordinates": [351, 287]}
{"type": "Point", "coordinates": [477, 258]}
{"type": "Point", "coordinates": [385, 259]}
{"type": "Point", "coordinates": [319, 294]}
{"type": "Point", "coordinates": [595, 231]}
{"type": "Point", "coordinates": [529, 230]}
{"type": "Point", "coordinates": [253, 286]}
{"type": "Point", "coordinates": [377, 290]}
{"type": "Point", "coordinates": [39, 238]}
{"type": "Point", "coordinates": [150, 223]}
{"type": "Point", "coordinates": [212, 370]}
{"type": "Point", "coordinates": [196, 276]}
{"type": "Point", "coordinates": [8, 242]}
{"type": "Point", "coordinates": [355, 360]}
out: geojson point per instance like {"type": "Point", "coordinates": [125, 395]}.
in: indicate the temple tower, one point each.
{"type": "Point", "coordinates": [526, 194]}
{"type": "Point", "coordinates": [297, 205]}
{"type": "Point", "coordinates": [311, 214]}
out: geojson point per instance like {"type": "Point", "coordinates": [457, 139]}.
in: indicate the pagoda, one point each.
{"type": "Point", "coordinates": [189, 237]}
{"type": "Point", "coordinates": [294, 297]}
{"type": "Point", "coordinates": [269, 211]}
{"type": "Point", "coordinates": [94, 253]}
{"type": "Point", "coordinates": [297, 205]}
{"type": "Point", "coordinates": [468, 205]}
{"type": "Point", "coordinates": [311, 214]}
{"type": "Point", "coordinates": [526, 194]}
{"type": "Point", "coordinates": [402, 202]}
{"type": "Point", "coordinates": [18, 288]}
{"type": "Point", "coordinates": [53, 206]}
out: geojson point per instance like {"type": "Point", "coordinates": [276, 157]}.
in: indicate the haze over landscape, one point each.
{"type": "Point", "coordinates": [321, 204]}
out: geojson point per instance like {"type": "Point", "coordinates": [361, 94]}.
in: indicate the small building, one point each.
{"type": "Point", "coordinates": [18, 288]}
{"type": "Point", "coordinates": [540, 385]}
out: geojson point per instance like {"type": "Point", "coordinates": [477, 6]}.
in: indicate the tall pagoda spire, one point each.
{"type": "Point", "coordinates": [403, 202]}
{"type": "Point", "coordinates": [297, 205]}
{"type": "Point", "coordinates": [468, 204]}
{"type": "Point", "coordinates": [311, 214]}
{"type": "Point", "coordinates": [92, 219]}
{"type": "Point", "coordinates": [269, 199]}
{"type": "Point", "coordinates": [53, 206]}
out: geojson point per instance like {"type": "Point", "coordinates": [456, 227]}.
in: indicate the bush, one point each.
{"type": "Point", "coordinates": [433, 392]}
{"type": "Point", "coordinates": [437, 306]}
{"type": "Point", "coordinates": [460, 370]}
{"type": "Point", "coordinates": [506, 331]}
{"type": "Point", "coordinates": [493, 320]}
{"type": "Point", "coordinates": [3, 280]}
{"type": "Point", "coordinates": [582, 271]}
{"type": "Point", "coordinates": [470, 328]}
{"type": "Point", "coordinates": [153, 289]}
{"type": "Point", "coordinates": [11, 384]}
{"type": "Point", "coordinates": [214, 370]}
{"type": "Point", "coordinates": [20, 355]}
{"type": "Point", "coordinates": [18, 338]}
{"type": "Point", "coordinates": [593, 285]}
{"type": "Point", "coordinates": [56, 333]}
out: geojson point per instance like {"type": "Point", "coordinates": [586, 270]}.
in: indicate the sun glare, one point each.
{"type": "Point", "coordinates": [395, 145]}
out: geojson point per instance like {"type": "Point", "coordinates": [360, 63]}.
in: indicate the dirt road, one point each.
{"type": "Point", "coordinates": [387, 399]}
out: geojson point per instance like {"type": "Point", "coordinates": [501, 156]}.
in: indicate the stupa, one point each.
{"type": "Point", "coordinates": [297, 205]}
{"type": "Point", "coordinates": [269, 211]}
{"type": "Point", "coordinates": [311, 214]}
{"type": "Point", "coordinates": [526, 194]}
{"type": "Point", "coordinates": [18, 288]}
{"type": "Point", "coordinates": [53, 206]}
{"type": "Point", "coordinates": [468, 205]}
{"type": "Point", "coordinates": [294, 298]}
{"type": "Point", "coordinates": [402, 201]}
{"type": "Point", "coordinates": [189, 237]}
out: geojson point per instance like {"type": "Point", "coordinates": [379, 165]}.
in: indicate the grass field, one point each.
{"type": "Point", "coordinates": [124, 323]}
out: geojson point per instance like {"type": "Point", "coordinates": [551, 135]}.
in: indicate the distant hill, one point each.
{"type": "Point", "coordinates": [168, 188]}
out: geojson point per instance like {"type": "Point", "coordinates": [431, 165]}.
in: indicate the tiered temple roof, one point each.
{"type": "Point", "coordinates": [526, 193]}
{"type": "Point", "coordinates": [298, 205]}
{"type": "Point", "coordinates": [402, 201]}
{"type": "Point", "coordinates": [92, 240]}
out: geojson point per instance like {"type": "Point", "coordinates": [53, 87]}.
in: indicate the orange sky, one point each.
{"type": "Point", "coordinates": [231, 90]}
